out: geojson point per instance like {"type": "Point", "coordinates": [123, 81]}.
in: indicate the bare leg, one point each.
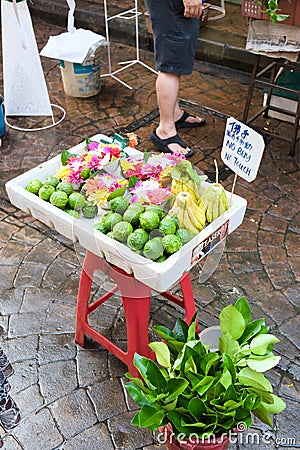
{"type": "Point", "coordinates": [167, 89]}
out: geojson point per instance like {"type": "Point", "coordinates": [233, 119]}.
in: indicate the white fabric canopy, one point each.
{"type": "Point", "coordinates": [25, 90]}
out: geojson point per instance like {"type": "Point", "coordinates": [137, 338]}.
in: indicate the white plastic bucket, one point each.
{"type": "Point", "coordinates": [81, 80]}
{"type": "Point", "coordinates": [210, 336]}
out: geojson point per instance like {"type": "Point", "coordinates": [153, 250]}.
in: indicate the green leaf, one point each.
{"type": "Point", "coordinates": [203, 385]}
{"type": "Point", "coordinates": [227, 344]}
{"type": "Point", "coordinates": [225, 379]}
{"type": "Point", "coordinates": [150, 372]}
{"type": "Point", "coordinates": [132, 181]}
{"type": "Point", "coordinates": [232, 321]}
{"type": "Point", "coordinates": [228, 363]}
{"type": "Point", "coordinates": [251, 330]}
{"type": "Point", "coordinates": [137, 394]}
{"type": "Point", "coordinates": [263, 415]}
{"type": "Point", "coordinates": [197, 408]}
{"type": "Point", "coordinates": [263, 364]}
{"type": "Point", "coordinates": [149, 417]}
{"type": "Point", "coordinates": [243, 307]}
{"type": "Point", "coordinates": [260, 344]}
{"type": "Point", "coordinates": [175, 387]}
{"type": "Point", "coordinates": [249, 377]}
{"type": "Point", "coordinates": [174, 345]}
{"type": "Point", "coordinates": [180, 331]}
{"type": "Point", "coordinates": [116, 193]}
{"type": "Point", "coordinates": [208, 360]}
{"type": "Point", "coordinates": [277, 407]}
{"type": "Point", "coordinates": [162, 353]}
{"type": "Point", "coordinates": [65, 155]}
{"type": "Point", "coordinates": [146, 156]}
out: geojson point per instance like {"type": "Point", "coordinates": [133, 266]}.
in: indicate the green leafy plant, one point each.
{"type": "Point", "coordinates": [272, 8]}
{"type": "Point", "coordinates": [207, 392]}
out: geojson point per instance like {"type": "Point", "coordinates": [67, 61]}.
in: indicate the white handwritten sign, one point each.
{"type": "Point", "coordinates": [242, 149]}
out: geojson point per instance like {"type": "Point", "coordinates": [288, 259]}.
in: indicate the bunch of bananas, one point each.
{"type": "Point", "coordinates": [190, 215]}
{"type": "Point", "coordinates": [215, 200]}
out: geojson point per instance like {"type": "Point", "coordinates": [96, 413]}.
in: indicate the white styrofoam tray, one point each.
{"type": "Point", "coordinates": [159, 276]}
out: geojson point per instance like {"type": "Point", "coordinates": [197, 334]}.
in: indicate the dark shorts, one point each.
{"type": "Point", "coordinates": [174, 36]}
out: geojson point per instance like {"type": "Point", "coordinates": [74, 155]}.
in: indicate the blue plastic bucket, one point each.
{"type": "Point", "coordinates": [2, 117]}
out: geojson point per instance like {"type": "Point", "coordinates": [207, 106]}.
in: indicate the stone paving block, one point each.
{"type": "Point", "coordinates": [7, 276]}
{"type": "Point", "coordinates": [44, 252]}
{"type": "Point", "coordinates": [280, 275]}
{"type": "Point", "coordinates": [30, 324]}
{"type": "Point", "coordinates": [31, 236]}
{"type": "Point", "coordinates": [57, 273]}
{"type": "Point", "coordinates": [29, 275]}
{"type": "Point", "coordinates": [11, 301]}
{"type": "Point", "coordinates": [38, 432]}
{"type": "Point", "coordinates": [276, 306]}
{"type": "Point", "coordinates": [36, 300]}
{"type": "Point", "coordinates": [25, 375]}
{"type": "Point", "coordinates": [288, 329]}
{"type": "Point", "coordinates": [96, 437]}
{"type": "Point", "coordinates": [29, 400]}
{"type": "Point", "coordinates": [13, 252]}
{"type": "Point", "coordinates": [290, 388]}
{"type": "Point", "coordinates": [293, 295]}
{"type": "Point", "coordinates": [55, 347]}
{"type": "Point", "coordinates": [7, 231]}
{"type": "Point", "coordinates": [92, 366]}
{"type": "Point", "coordinates": [60, 318]}
{"type": "Point", "coordinates": [270, 238]}
{"type": "Point", "coordinates": [21, 349]}
{"type": "Point", "coordinates": [57, 379]}
{"type": "Point", "coordinates": [127, 436]}
{"type": "Point", "coordinates": [108, 399]}
{"type": "Point", "coordinates": [73, 413]}
{"type": "Point", "coordinates": [10, 443]}
{"type": "Point", "coordinates": [294, 262]}
{"type": "Point", "coordinates": [287, 422]}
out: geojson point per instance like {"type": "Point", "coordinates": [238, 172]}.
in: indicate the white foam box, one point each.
{"type": "Point", "coordinates": [159, 276]}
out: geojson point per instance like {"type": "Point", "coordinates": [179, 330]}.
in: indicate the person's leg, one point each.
{"type": "Point", "coordinates": [167, 88]}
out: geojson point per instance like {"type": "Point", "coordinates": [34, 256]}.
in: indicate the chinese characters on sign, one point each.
{"type": "Point", "coordinates": [242, 149]}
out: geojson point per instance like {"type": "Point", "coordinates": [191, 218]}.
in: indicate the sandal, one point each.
{"type": "Point", "coordinates": [183, 123]}
{"type": "Point", "coordinates": [162, 144]}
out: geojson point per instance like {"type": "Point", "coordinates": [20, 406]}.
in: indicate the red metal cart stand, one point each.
{"type": "Point", "coordinates": [136, 298]}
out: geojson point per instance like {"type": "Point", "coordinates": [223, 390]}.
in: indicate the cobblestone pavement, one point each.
{"type": "Point", "coordinates": [73, 398]}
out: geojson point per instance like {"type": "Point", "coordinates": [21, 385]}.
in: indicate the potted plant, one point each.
{"type": "Point", "coordinates": [197, 397]}
{"type": "Point", "coordinates": [278, 11]}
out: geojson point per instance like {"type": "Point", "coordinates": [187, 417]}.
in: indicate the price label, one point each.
{"type": "Point", "coordinates": [242, 149]}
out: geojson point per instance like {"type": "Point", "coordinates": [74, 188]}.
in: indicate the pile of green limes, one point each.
{"type": "Point", "coordinates": [62, 195]}
{"type": "Point", "coordinates": [147, 230]}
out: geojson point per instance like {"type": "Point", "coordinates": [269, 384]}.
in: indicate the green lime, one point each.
{"type": "Point", "coordinates": [171, 243]}
{"type": "Point", "coordinates": [185, 235]}
{"type": "Point", "coordinates": [167, 225]}
{"type": "Point", "coordinates": [137, 239]}
{"type": "Point", "coordinates": [153, 249]}
{"type": "Point", "coordinates": [73, 213]}
{"type": "Point", "coordinates": [34, 186]}
{"type": "Point", "coordinates": [174, 218]}
{"type": "Point", "coordinates": [89, 210]}
{"type": "Point", "coordinates": [85, 174]}
{"type": "Point", "coordinates": [133, 213]}
{"type": "Point", "coordinates": [76, 200]}
{"type": "Point", "coordinates": [100, 227]}
{"type": "Point", "coordinates": [122, 230]}
{"type": "Point", "coordinates": [65, 186]}
{"type": "Point", "coordinates": [119, 205]}
{"type": "Point", "coordinates": [149, 220]}
{"type": "Point", "coordinates": [52, 180]}
{"type": "Point", "coordinates": [110, 234]}
{"type": "Point", "coordinates": [157, 209]}
{"type": "Point", "coordinates": [161, 258]}
{"type": "Point", "coordinates": [111, 220]}
{"type": "Point", "coordinates": [46, 191]}
{"type": "Point", "coordinates": [59, 199]}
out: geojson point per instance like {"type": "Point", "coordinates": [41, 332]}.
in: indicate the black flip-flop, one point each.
{"type": "Point", "coordinates": [182, 122]}
{"type": "Point", "coordinates": [162, 144]}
